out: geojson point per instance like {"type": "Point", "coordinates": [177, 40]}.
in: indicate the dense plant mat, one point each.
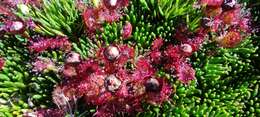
{"type": "Point", "coordinates": [152, 58]}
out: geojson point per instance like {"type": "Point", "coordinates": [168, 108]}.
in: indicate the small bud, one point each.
{"type": "Point", "coordinates": [206, 22]}
{"type": "Point", "coordinates": [152, 85]}
{"type": "Point", "coordinates": [111, 53]}
{"type": "Point", "coordinates": [72, 57]}
{"type": "Point", "coordinates": [211, 2]}
{"type": "Point", "coordinates": [112, 83]}
{"type": "Point", "coordinates": [229, 40]}
{"type": "Point", "coordinates": [229, 4]}
{"type": "Point", "coordinates": [17, 25]}
{"type": "Point", "coordinates": [212, 11]}
{"type": "Point", "coordinates": [110, 4]}
{"type": "Point", "coordinates": [14, 27]}
{"type": "Point", "coordinates": [186, 48]}
{"type": "Point", "coordinates": [113, 2]}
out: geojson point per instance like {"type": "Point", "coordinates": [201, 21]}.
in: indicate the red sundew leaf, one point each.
{"type": "Point", "coordinates": [143, 70]}
{"type": "Point", "coordinates": [122, 74]}
{"type": "Point", "coordinates": [69, 71]}
{"type": "Point", "coordinates": [2, 63]}
{"type": "Point", "coordinates": [126, 53]}
{"type": "Point", "coordinates": [124, 3]}
{"type": "Point", "coordinates": [212, 11]}
{"type": "Point", "coordinates": [182, 33]}
{"type": "Point", "coordinates": [144, 66]}
{"type": "Point", "coordinates": [229, 40]}
{"type": "Point", "coordinates": [94, 18]}
{"type": "Point", "coordinates": [4, 11]}
{"type": "Point", "coordinates": [103, 112]}
{"type": "Point", "coordinates": [123, 78]}
{"type": "Point", "coordinates": [94, 90]}
{"type": "Point", "coordinates": [122, 92]}
{"type": "Point", "coordinates": [211, 2]}
{"type": "Point", "coordinates": [196, 42]}
{"type": "Point", "coordinates": [94, 95]}
{"type": "Point", "coordinates": [157, 44]}
{"type": "Point", "coordinates": [135, 87]}
{"type": "Point", "coordinates": [127, 30]}
{"type": "Point", "coordinates": [181, 36]}
{"type": "Point", "coordinates": [108, 16]}
{"type": "Point", "coordinates": [155, 56]}
{"type": "Point", "coordinates": [112, 108]}
{"type": "Point", "coordinates": [172, 53]}
{"type": "Point", "coordinates": [43, 44]}
{"type": "Point", "coordinates": [88, 67]}
{"type": "Point", "coordinates": [90, 17]}
{"type": "Point", "coordinates": [185, 72]}
{"type": "Point", "coordinates": [231, 16]}
{"type": "Point", "coordinates": [126, 96]}
{"type": "Point", "coordinates": [244, 25]}
{"type": "Point", "coordinates": [216, 24]}
{"type": "Point", "coordinates": [104, 98]}
{"type": "Point", "coordinates": [110, 67]}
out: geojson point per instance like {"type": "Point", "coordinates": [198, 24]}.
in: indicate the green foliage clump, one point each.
{"type": "Point", "coordinates": [13, 77]}
{"type": "Point", "coordinates": [56, 17]}
{"type": "Point", "coordinates": [86, 47]}
{"type": "Point", "coordinates": [20, 89]}
{"type": "Point", "coordinates": [148, 23]}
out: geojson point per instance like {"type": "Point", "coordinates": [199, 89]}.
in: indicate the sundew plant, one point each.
{"type": "Point", "coordinates": [120, 58]}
